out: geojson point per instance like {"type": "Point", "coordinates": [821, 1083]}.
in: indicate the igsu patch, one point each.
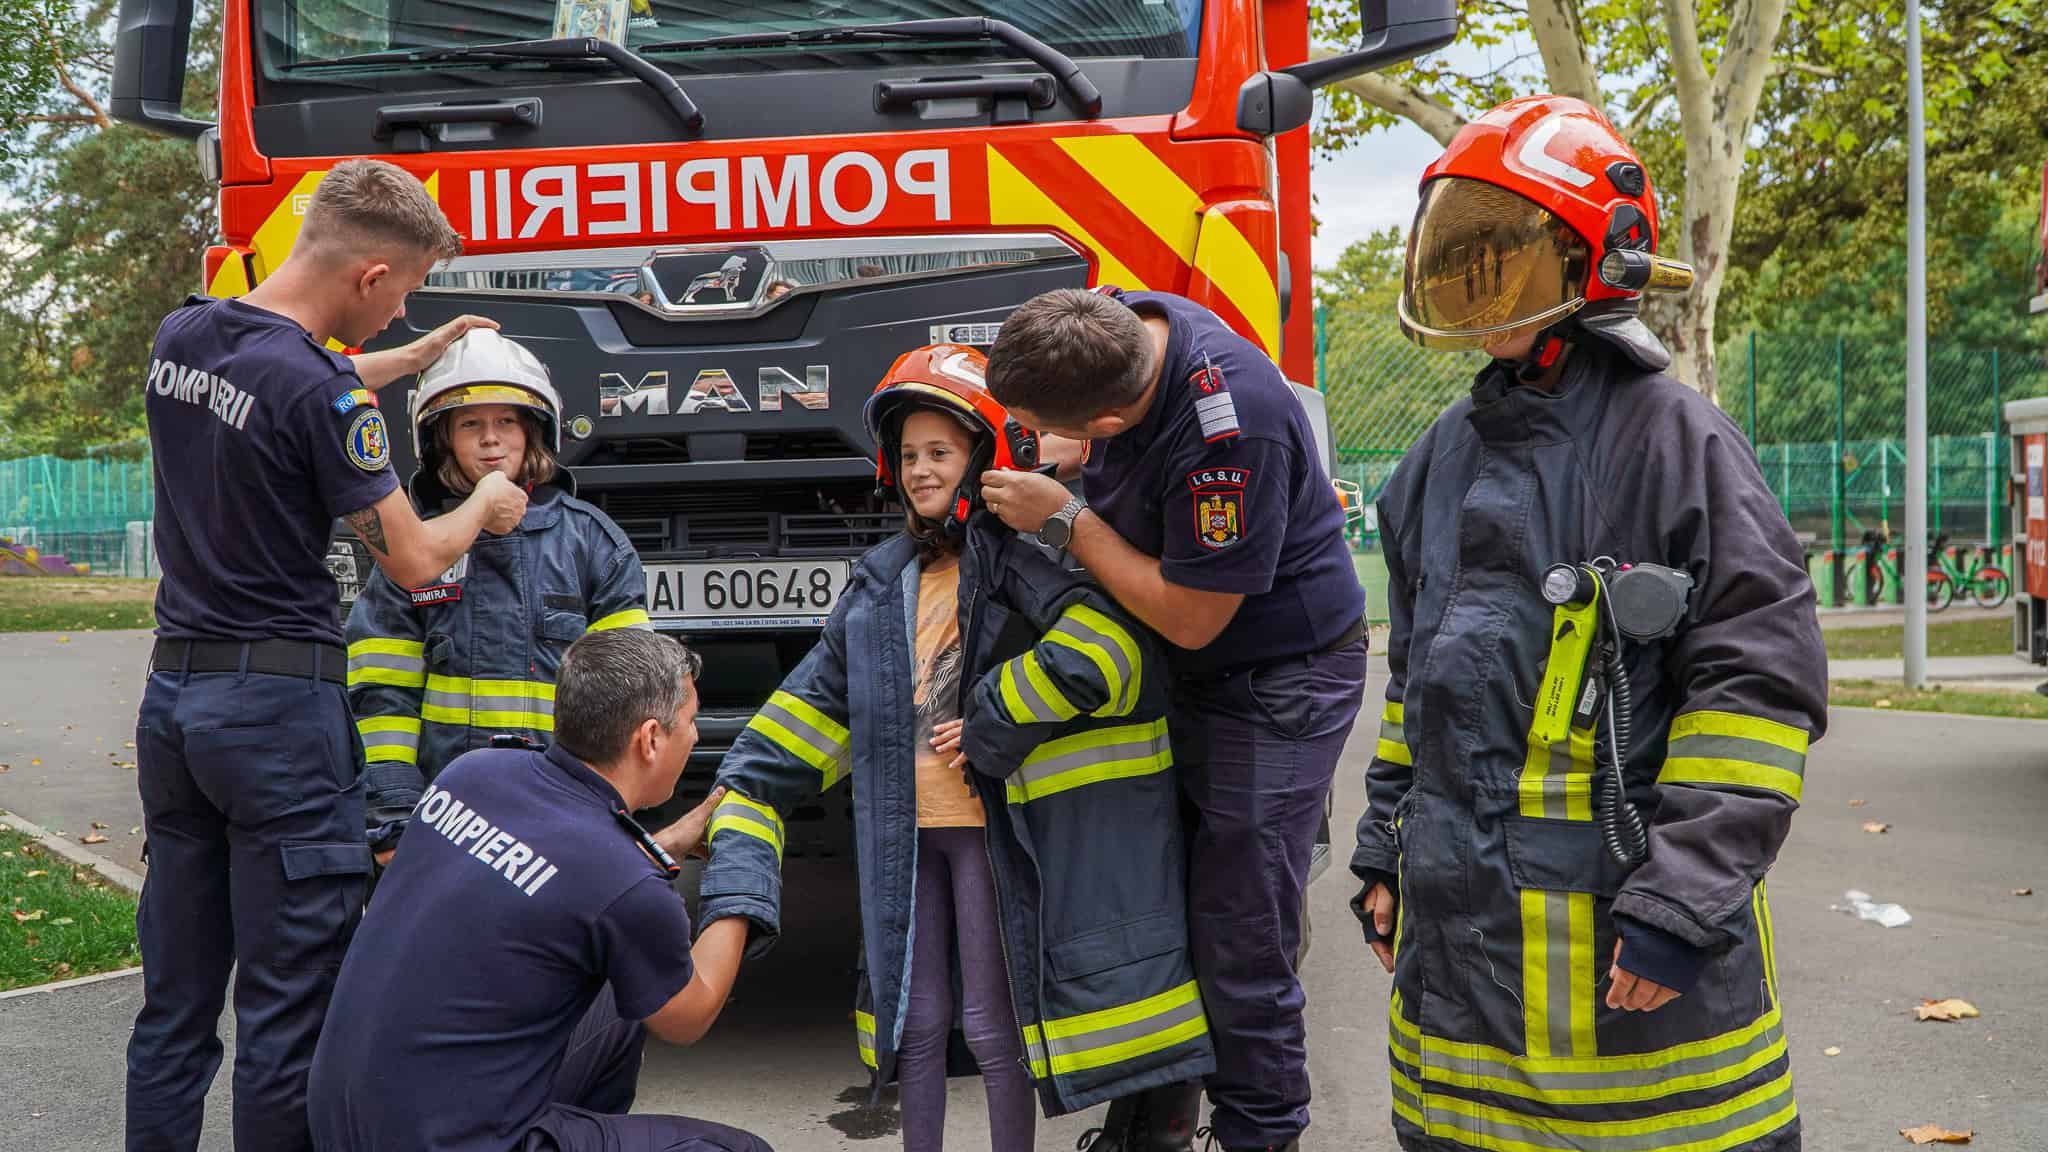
{"type": "Point", "coordinates": [367, 442]}
{"type": "Point", "coordinates": [1219, 505]}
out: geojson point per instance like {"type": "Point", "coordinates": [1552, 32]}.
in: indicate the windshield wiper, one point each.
{"type": "Point", "coordinates": [1086, 96]}
{"type": "Point", "coordinates": [573, 48]}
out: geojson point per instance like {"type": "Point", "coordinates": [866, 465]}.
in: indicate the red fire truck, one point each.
{"type": "Point", "coordinates": [719, 223]}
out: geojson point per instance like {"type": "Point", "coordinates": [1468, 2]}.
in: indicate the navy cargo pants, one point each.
{"type": "Point", "coordinates": [594, 1088]}
{"type": "Point", "coordinates": [254, 809]}
{"type": "Point", "coordinates": [1256, 753]}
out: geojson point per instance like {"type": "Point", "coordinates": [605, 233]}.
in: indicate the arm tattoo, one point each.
{"type": "Point", "coordinates": [370, 527]}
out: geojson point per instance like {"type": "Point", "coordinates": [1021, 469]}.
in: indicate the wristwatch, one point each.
{"type": "Point", "coordinates": [1058, 531]}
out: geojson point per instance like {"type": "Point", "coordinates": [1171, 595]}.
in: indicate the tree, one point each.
{"type": "Point", "coordinates": [102, 226]}
{"type": "Point", "coordinates": [1694, 71]}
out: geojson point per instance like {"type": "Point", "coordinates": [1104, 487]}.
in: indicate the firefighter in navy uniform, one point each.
{"type": "Point", "coordinates": [1207, 515]}
{"type": "Point", "coordinates": [438, 670]}
{"type": "Point", "coordinates": [248, 763]}
{"type": "Point", "coordinates": [1605, 669]}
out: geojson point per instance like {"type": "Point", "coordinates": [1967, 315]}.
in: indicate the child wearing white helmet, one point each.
{"type": "Point", "coordinates": [439, 670]}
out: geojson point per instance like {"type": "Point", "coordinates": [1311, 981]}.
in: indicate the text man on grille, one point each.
{"type": "Point", "coordinates": [1605, 668]}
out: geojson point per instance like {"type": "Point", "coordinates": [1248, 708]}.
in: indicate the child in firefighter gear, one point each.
{"type": "Point", "coordinates": [1209, 516]}
{"type": "Point", "coordinates": [1577, 966]}
{"type": "Point", "coordinates": [1004, 728]}
{"type": "Point", "coordinates": [438, 670]}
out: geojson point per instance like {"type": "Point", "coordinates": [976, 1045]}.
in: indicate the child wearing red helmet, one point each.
{"type": "Point", "coordinates": [1004, 728]}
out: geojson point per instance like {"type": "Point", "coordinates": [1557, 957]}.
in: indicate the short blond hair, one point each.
{"type": "Point", "coordinates": [371, 204]}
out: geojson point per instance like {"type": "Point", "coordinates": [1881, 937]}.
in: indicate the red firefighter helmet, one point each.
{"type": "Point", "coordinates": [1538, 212]}
{"type": "Point", "coordinates": [948, 378]}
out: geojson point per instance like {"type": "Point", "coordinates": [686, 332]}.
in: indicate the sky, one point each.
{"type": "Point", "coordinates": [1367, 187]}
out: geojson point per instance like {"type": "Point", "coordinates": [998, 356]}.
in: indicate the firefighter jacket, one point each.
{"type": "Point", "coordinates": [1065, 711]}
{"type": "Point", "coordinates": [1484, 814]}
{"type": "Point", "coordinates": [434, 672]}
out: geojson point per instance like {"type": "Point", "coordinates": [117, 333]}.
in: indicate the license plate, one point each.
{"type": "Point", "coordinates": [746, 593]}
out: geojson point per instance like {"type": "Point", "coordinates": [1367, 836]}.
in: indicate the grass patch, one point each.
{"type": "Point", "coordinates": [1891, 696]}
{"type": "Point", "coordinates": [75, 603]}
{"type": "Point", "coordinates": [1984, 636]}
{"type": "Point", "coordinates": [58, 921]}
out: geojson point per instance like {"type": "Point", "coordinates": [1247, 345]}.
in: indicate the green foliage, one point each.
{"type": "Point", "coordinates": [28, 69]}
{"type": "Point", "coordinates": [103, 229]}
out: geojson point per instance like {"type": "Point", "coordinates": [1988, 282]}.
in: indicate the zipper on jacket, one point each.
{"type": "Point", "coordinates": [987, 843]}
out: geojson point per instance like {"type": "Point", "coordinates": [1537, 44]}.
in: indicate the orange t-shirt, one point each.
{"type": "Point", "coordinates": [944, 798]}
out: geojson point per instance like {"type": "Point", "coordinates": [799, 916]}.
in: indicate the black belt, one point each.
{"type": "Point", "coordinates": [270, 657]}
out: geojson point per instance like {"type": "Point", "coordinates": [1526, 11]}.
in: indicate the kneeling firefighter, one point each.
{"type": "Point", "coordinates": [1606, 668]}
{"type": "Point", "coordinates": [436, 671]}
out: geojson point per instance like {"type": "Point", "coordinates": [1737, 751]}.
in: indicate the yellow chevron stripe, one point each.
{"type": "Point", "coordinates": [1233, 265]}
{"type": "Point", "coordinates": [1153, 192]}
{"type": "Point", "coordinates": [1015, 200]}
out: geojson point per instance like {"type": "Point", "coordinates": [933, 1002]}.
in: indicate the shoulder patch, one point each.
{"type": "Point", "coordinates": [1213, 405]}
{"type": "Point", "coordinates": [355, 398]}
{"type": "Point", "coordinates": [1219, 505]}
{"type": "Point", "coordinates": [367, 442]}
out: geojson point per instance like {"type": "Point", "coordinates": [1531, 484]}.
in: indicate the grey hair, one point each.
{"type": "Point", "coordinates": [612, 682]}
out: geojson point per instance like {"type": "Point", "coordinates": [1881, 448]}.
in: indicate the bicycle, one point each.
{"type": "Point", "coordinates": [1988, 584]}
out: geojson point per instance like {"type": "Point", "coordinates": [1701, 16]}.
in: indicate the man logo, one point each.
{"type": "Point", "coordinates": [713, 389]}
{"type": "Point", "coordinates": [726, 279]}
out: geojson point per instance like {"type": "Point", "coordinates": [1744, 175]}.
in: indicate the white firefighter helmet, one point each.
{"type": "Point", "coordinates": [484, 367]}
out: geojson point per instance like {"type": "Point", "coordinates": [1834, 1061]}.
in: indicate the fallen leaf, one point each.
{"type": "Point", "coordinates": [1945, 1010]}
{"type": "Point", "coordinates": [135, 831]}
{"type": "Point", "coordinates": [94, 838]}
{"type": "Point", "coordinates": [1884, 703]}
{"type": "Point", "coordinates": [63, 920]}
{"type": "Point", "coordinates": [61, 969]}
{"type": "Point", "coordinates": [63, 639]}
{"type": "Point", "coordinates": [128, 744]}
{"type": "Point", "coordinates": [25, 917]}
{"type": "Point", "coordinates": [6, 767]}
{"type": "Point", "coordinates": [35, 763]}
{"type": "Point", "coordinates": [2016, 891]}
{"type": "Point", "coordinates": [1874, 826]}
{"type": "Point", "coordinates": [1858, 803]}
{"type": "Point", "coordinates": [1831, 1051]}
{"type": "Point", "coordinates": [97, 824]}
{"type": "Point", "coordinates": [35, 872]}
{"type": "Point", "coordinates": [1935, 1134]}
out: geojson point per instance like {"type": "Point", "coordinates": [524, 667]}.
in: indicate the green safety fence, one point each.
{"type": "Point", "coordinates": [90, 512]}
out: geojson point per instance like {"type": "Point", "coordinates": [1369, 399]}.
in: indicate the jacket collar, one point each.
{"type": "Point", "coordinates": [584, 778]}
{"type": "Point", "coordinates": [1505, 411]}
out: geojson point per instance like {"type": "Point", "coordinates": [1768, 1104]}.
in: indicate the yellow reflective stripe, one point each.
{"type": "Point", "coordinates": [389, 677]}
{"type": "Point", "coordinates": [1234, 266]}
{"type": "Point", "coordinates": [1737, 773]}
{"type": "Point", "coordinates": [1013, 700]}
{"type": "Point", "coordinates": [1091, 757]}
{"type": "Point", "coordinates": [382, 660]}
{"type": "Point", "coordinates": [1038, 680]}
{"type": "Point", "coordinates": [805, 733]}
{"type": "Point", "coordinates": [1151, 189]}
{"type": "Point", "coordinates": [497, 720]}
{"type": "Point", "coordinates": [1104, 667]}
{"type": "Point", "coordinates": [1730, 1124]}
{"type": "Point", "coordinates": [390, 739]}
{"type": "Point", "coordinates": [630, 618]}
{"type": "Point", "coordinates": [1393, 746]}
{"type": "Point", "coordinates": [864, 1036]}
{"type": "Point", "coordinates": [1106, 627]}
{"type": "Point", "coordinates": [1112, 1035]}
{"type": "Point", "coordinates": [1699, 1064]}
{"type": "Point", "coordinates": [1557, 973]}
{"type": "Point", "coordinates": [1710, 723]}
{"type": "Point", "coordinates": [736, 813]}
{"type": "Point", "coordinates": [832, 730]}
{"type": "Point", "coordinates": [1768, 934]}
{"type": "Point", "coordinates": [463, 685]}
{"type": "Point", "coordinates": [380, 645]}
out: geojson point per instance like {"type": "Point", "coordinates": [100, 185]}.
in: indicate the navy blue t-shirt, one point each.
{"type": "Point", "coordinates": [1222, 482]}
{"type": "Point", "coordinates": [513, 900]}
{"type": "Point", "coordinates": [261, 440]}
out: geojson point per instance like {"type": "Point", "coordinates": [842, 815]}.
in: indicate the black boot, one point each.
{"type": "Point", "coordinates": [1115, 1133]}
{"type": "Point", "coordinates": [1167, 1116]}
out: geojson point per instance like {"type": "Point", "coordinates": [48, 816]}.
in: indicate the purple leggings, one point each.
{"type": "Point", "coordinates": [956, 904]}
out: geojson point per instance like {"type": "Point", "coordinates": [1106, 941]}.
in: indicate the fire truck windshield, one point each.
{"type": "Point", "coordinates": [295, 33]}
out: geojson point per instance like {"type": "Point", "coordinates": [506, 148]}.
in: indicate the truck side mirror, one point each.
{"type": "Point", "coordinates": [149, 67]}
{"type": "Point", "coordinates": [1391, 31]}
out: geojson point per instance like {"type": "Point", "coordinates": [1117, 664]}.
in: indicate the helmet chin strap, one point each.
{"type": "Point", "coordinates": [1543, 356]}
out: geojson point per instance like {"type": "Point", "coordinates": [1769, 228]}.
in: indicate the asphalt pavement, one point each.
{"type": "Point", "coordinates": [1964, 799]}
